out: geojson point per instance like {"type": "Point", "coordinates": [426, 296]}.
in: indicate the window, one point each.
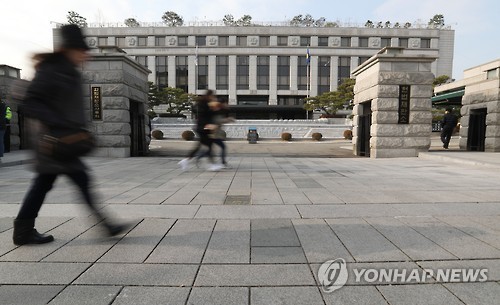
{"type": "Point", "coordinates": [161, 71]}
{"type": "Point", "coordinates": [302, 74]}
{"type": "Point", "coordinates": [202, 81]}
{"type": "Point", "coordinates": [363, 42]}
{"type": "Point", "coordinates": [182, 41]}
{"type": "Point", "coordinates": [323, 74]}
{"type": "Point", "coordinates": [305, 41]}
{"type": "Point", "coordinates": [403, 42]}
{"type": "Point", "coordinates": [201, 40]}
{"type": "Point", "coordinates": [362, 59]}
{"type": "Point", "coordinates": [223, 41]}
{"type": "Point", "coordinates": [492, 74]}
{"type": "Point", "coordinates": [160, 41]}
{"type": "Point", "coordinates": [282, 41]}
{"type": "Point", "coordinates": [264, 41]}
{"type": "Point", "coordinates": [425, 43]}
{"type": "Point", "coordinates": [263, 72]}
{"type": "Point", "coordinates": [242, 72]}
{"type": "Point", "coordinates": [222, 72]}
{"type": "Point", "coordinates": [142, 41]}
{"type": "Point", "coordinates": [283, 73]}
{"type": "Point", "coordinates": [143, 60]}
{"type": "Point", "coordinates": [120, 42]}
{"type": "Point", "coordinates": [323, 41]}
{"type": "Point", "coordinates": [181, 72]}
{"type": "Point", "coordinates": [345, 41]}
{"type": "Point", "coordinates": [344, 69]}
{"type": "Point", "coordinates": [102, 41]}
{"type": "Point", "coordinates": [241, 41]}
{"type": "Point", "coordinates": [284, 100]}
{"type": "Point", "coordinates": [385, 42]}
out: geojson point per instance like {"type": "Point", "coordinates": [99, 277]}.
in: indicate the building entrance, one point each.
{"type": "Point", "coordinates": [477, 130]}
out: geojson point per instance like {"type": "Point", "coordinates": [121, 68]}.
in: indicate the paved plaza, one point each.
{"type": "Point", "coordinates": [258, 233]}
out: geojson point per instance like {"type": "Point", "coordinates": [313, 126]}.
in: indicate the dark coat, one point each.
{"type": "Point", "coordinates": [449, 121]}
{"type": "Point", "coordinates": [55, 99]}
{"type": "Point", "coordinates": [3, 120]}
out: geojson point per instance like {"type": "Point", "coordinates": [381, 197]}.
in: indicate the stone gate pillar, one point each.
{"type": "Point", "coordinates": [117, 88]}
{"type": "Point", "coordinates": [392, 106]}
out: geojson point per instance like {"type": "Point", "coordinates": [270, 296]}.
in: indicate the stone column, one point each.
{"type": "Point", "coordinates": [121, 81]}
{"type": "Point", "coordinates": [399, 87]}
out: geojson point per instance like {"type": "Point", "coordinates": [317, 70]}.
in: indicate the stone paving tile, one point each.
{"type": "Point", "coordinates": [152, 295]}
{"type": "Point", "coordinates": [28, 294]}
{"type": "Point", "coordinates": [293, 196]}
{"type": "Point", "coordinates": [319, 242]}
{"type": "Point", "coordinates": [154, 211]}
{"type": "Point", "coordinates": [139, 243]}
{"type": "Point", "coordinates": [476, 293]}
{"type": "Point", "coordinates": [413, 244]}
{"type": "Point", "coordinates": [230, 243]}
{"type": "Point", "coordinates": [321, 196]}
{"type": "Point", "coordinates": [285, 295]}
{"type": "Point", "coordinates": [492, 266]}
{"type": "Point", "coordinates": [63, 234]}
{"type": "Point", "coordinates": [87, 247]}
{"type": "Point", "coordinates": [418, 295]}
{"type": "Point", "coordinates": [347, 210]}
{"type": "Point", "coordinates": [359, 295]}
{"type": "Point", "coordinates": [247, 212]}
{"type": "Point", "coordinates": [209, 197]}
{"type": "Point", "coordinates": [127, 196]}
{"type": "Point", "coordinates": [254, 275]}
{"type": "Point", "coordinates": [448, 209]}
{"type": "Point", "coordinates": [152, 198]}
{"type": "Point", "coordinates": [475, 229]}
{"type": "Point", "coordinates": [6, 223]}
{"type": "Point", "coordinates": [278, 255]}
{"type": "Point", "coordinates": [219, 296]}
{"type": "Point", "coordinates": [453, 240]}
{"type": "Point", "coordinates": [40, 273]}
{"type": "Point", "coordinates": [86, 295]}
{"type": "Point", "coordinates": [266, 196]}
{"type": "Point", "coordinates": [185, 242]}
{"type": "Point", "coordinates": [492, 222]}
{"type": "Point", "coordinates": [364, 242]}
{"type": "Point", "coordinates": [176, 275]}
{"type": "Point", "coordinates": [183, 196]}
{"type": "Point", "coordinates": [273, 233]}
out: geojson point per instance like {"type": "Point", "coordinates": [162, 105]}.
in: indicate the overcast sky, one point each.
{"type": "Point", "coordinates": [25, 25]}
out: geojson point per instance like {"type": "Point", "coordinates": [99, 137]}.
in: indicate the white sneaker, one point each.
{"type": "Point", "coordinates": [184, 163]}
{"type": "Point", "coordinates": [215, 167]}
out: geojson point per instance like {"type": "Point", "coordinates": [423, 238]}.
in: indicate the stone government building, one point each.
{"type": "Point", "coordinates": [263, 70]}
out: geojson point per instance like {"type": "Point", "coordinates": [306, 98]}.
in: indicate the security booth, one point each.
{"type": "Point", "coordinates": [392, 108]}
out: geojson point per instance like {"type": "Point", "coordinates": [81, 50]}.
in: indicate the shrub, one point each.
{"type": "Point", "coordinates": [316, 136]}
{"type": "Point", "coordinates": [188, 135]}
{"type": "Point", "coordinates": [348, 134]}
{"type": "Point", "coordinates": [286, 136]}
{"type": "Point", "coordinates": [157, 134]}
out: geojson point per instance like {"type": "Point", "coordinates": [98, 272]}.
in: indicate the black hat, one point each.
{"type": "Point", "coordinates": [72, 37]}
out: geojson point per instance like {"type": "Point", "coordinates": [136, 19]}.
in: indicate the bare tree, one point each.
{"type": "Point", "coordinates": [369, 24]}
{"type": "Point", "coordinates": [172, 19]}
{"type": "Point", "coordinates": [308, 20]}
{"type": "Point", "coordinates": [75, 18]}
{"type": "Point", "coordinates": [296, 21]}
{"type": "Point", "coordinates": [320, 22]}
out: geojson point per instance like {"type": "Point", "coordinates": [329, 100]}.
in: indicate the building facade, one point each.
{"type": "Point", "coordinates": [265, 72]}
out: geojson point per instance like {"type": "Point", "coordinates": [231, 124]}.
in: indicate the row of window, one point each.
{"type": "Point", "coordinates": [263, 41]}
{"type": "Point", "coordinates": [243, 72]}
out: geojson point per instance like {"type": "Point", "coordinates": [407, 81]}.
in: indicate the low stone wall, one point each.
{"type": "Point", "coordinates": [272, 129]}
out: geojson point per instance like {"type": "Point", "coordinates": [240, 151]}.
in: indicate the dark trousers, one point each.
{"type": "Point", "coordinates": [446, 136]}
{"type": "Point", "coordinates": [43, 183]}
{"type": "Point", "coordinates": [222, 145]}
{"type": "Point", "coordinates": [204, 141]}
